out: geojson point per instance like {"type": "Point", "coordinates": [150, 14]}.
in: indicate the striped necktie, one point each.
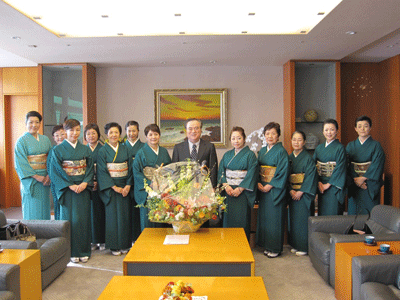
{"type": "Point", "coordinates": [193, 153]}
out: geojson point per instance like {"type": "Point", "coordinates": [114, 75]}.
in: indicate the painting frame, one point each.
{"type": "Point", "coordinates": [196, 102]}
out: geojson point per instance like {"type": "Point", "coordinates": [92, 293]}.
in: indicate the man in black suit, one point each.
{"type": "Point", "coordinates": [197, 149]}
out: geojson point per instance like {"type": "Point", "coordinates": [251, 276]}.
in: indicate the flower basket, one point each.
{"type": "Point", "coordinates": [181, 194]}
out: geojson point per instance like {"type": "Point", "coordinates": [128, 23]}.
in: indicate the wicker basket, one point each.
{"type": "Point", "coordinates": [185, 226]}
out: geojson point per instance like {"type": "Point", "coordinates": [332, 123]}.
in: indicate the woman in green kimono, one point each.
{"type": "Point", "coordinates": [150, 156]}
{"type": "Point", "coordinates": [72, 170]}
{"type": "Point", "coordinates": [302, 191]}
{"type": "Point", "coordinates": [238, 173]}
{"type": "Point", "coordinates": [114, 177]}
{"type": "Point", "coordinates": [59, 135]}
{"type": "Point", "coordinates": [134, 144]}
{"type": "Point", "coordinates": [273, 161]}
{"type": "Point", "coordinates": [366, 164]}
{"type": "Point", "coordinates": [330, 158]}
{"type": "Point", "coordinates": [30, 160]}
{"type": "Point", "coordinates": [91, 134]}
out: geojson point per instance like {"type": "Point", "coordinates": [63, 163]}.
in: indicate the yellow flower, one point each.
{"type": "Point", "coordinates": [201, 215]}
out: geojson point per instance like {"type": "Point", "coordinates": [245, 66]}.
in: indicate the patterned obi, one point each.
{"type": "Point", "coordinates": [325, 169]}
{"type": "Point", "coordinates": [74, 167]}
{"type": "Point", "coordinates": [118, 170]}
{"type": "Point", "coordinates": [235, 177]}
{"type": "Point", "coordinates": [296, 180]}
{"type": "Point", "coordinates": [267, 173]}
{"type": "Point", "coordinates": [38, 162]}
{"type": "Point", "coordinates": [361, 168]}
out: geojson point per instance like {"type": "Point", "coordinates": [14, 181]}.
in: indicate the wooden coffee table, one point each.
{"type": "Point", "coordinates": [215, 288]}
{"type": "Point", "coordinates": [344, 254]}
{"type": "Point", "coordinates": [29, 269]}
{"type": "Point", "coordinates": [210, 252]}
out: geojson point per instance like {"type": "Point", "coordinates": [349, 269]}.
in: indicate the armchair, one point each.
{"type": "Point", "coordinates": [53, 241]}
{"type": "Point", "coordinates": [325, 231]}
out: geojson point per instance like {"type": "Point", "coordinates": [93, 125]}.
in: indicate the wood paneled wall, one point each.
{"type": "Point", "coordinates": [380, 100]}
{"type": "Point", "coordinates": [289, 104]}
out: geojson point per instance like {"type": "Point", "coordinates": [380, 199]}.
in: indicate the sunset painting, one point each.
{"type": "Point", "coordinates": [174, 107]}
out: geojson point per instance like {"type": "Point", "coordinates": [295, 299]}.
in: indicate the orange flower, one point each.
{"type": "Point", "coordinates": [201, 215]}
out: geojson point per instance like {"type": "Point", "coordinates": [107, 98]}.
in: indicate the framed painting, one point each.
{"type": "Point", "coordinates": [174, 107]}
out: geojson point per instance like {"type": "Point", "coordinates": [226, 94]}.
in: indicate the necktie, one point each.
{"type": "Point", "coordinates": [193, 154]}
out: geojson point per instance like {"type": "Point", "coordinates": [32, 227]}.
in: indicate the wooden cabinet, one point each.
{"type": "Point", "coordinates": [310, 85]}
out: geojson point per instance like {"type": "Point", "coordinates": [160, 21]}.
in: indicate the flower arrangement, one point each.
{"type": "Point", "coordinates": [181, 194]}
{"type": "Point", "coordinates": [177, 291]}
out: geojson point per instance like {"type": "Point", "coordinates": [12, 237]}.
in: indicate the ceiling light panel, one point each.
{"type": "Point", "coordinates": [157, 17]}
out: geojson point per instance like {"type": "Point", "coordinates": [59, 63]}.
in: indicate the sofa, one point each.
{"type": "Point", "coordinates": [53, 241]}
{"type": "Point", "coordinates": [325, 231]}
{"type": "Point", "coordinates": [9, 282]}
{"type": "Point", "coordinates": [376, 277]}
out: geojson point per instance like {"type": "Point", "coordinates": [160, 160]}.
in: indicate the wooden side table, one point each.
{"type": "Point", "coordinates": [30, 272]}
{"type": "Point", "coordinates": [344, 254]}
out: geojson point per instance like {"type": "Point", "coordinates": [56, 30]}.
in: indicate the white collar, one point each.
{"type": "Point", "coordinates": [327, 144]}
{"type": "Point", "coordinates": [133, 144]}
{"type": "Point", "coordinates": [114, 148]}
{"type": "Point", "coordinates": [191, 145]}
{"type": "Point", "coordinates": [73, 145]}
{"type": "Point", "coordinates": [155, 151]}
{"type": "Point", "coordinates": [94, 146]}
{"type": "Point", "coordinates": [362, 143]}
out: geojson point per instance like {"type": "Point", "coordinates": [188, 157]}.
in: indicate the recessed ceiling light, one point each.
{"type": "Point", "coordinates": [181, 32]}
{"type": "Point", "coordinates": [389, 46]}
{"type": "Point", "coordinates": [212, 61]}
{"type": "Point", "coordinates": [184, 43]}
{"type": "Point", "coordinates": [37, 18]}
{"type": "Point", "coordinates": [120, 33]}
{"type": "Point", "coordinates": [177, 15]}
{"type": "Point", "coordinates": [68, 45]}
{"type": "Point", "coordinates": [252, 14]}
{"type": "Point", "coordinates": [62, 35]}
{"type": "Point", "coordinates": [351, 32]}
{"type": "Point", "coordinates": [303, 31]}
{"type": "Point", "coordinates": [104, 16]}
{"type": "Point", "coordinates": [32, 46]}
{"type": "Point", "coordinates": [16, 37]}
{"type": "Point", "coordinates": [320, 13]}
{"type": "Point", "coordinates": [162, 62]}
{"type": "Point", "coordinates": [244, 31]}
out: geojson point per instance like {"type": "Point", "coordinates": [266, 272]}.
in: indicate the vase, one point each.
{"type": "Point", "coordinates": [185, 226]}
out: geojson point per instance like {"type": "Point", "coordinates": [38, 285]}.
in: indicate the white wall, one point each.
{"type": "Point", "coordinates": [255, 95]}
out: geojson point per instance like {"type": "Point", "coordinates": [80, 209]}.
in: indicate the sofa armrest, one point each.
{"type": "Point", "coordinates": [10, 279]}
{"type": "Point", "coordinates": [376, 268]}
{"type": "Point", "coordinates": [13, 244]}
{"type": "Point", "coordinates": [334, 224]}
{"type": "Point", "coordinates": [47, 229]}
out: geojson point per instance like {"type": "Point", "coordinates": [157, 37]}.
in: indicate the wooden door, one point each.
{"type": "Point", "coordinates": [16, 107]}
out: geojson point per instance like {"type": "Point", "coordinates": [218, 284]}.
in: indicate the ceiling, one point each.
{"type": "Point", "coordinates": [376, 23]}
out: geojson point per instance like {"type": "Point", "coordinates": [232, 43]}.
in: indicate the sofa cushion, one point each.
{"type": "Point", "coordinates": [320, 244]}
{"type": "Point", "coordinates": [377, 228]}
{"type": "Point", "coordinates": [376, 291]}
{"type": "Point", "coordinates": [386, 216]}
{"type": "Point", "coordinates": [52, 250]}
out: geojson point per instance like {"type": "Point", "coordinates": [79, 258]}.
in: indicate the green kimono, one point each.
{"type": "Point", "coordinates": [135, 211]}
{"type": "Point", "coordinates": [300, 210]}
{"type": "Point", "coordinates": [98, 211]}
{"type": "Point", "coordinates": [56, 205]}
{"type": "Point", "coordinates": [361, 200]}
{"type": "Point", "coordinates": [35, 196]}
{"type": "Point", "coordinates": [270, 225]}
{"type": "Point", "coordinates": [146, 157]}
{"type": "Point", "coordinates": [75, 208]}
{"type": "Point", "coordinates": [117, 207]}
{"type": "Point", "coordinates": [239, 208]}
{"type": "Point", "coordinates": [332, 200]}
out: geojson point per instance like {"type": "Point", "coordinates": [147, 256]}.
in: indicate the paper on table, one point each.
{"type": "Point", "coordinates": [199, 297]}
{"type": "Point", "coordinates": [176, 239]}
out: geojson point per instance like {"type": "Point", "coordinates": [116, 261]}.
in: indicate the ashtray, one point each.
{"type": "Point", "coordinates": [385, 253]}
{"type": "Point", "coordinates": [373, 244]}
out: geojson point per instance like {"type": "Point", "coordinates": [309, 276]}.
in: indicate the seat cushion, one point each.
{"type": "Point", "coordinates": [52, 250]}
{"type": "Point", "coordinates": [376, 291]}
{"type": "Point", "coordinates": [320, 244]}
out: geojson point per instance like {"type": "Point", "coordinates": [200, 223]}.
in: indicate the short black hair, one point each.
{"type": "Point", "coordinates": [108, 126]}
{"type": "Point", "coordinates": [152, 127]}
{"type": "Point", "coordinates": [238, 129]}
{"type": "Point", "coordinates": [33, 113]}
{"type": "Point", "coordinates": [331, 121]}
{"type": "Point", "coordinates": [56, 128]}
{"type": "Point", "coordinates": [364, 118]}
{"type": "Point", "coordinates": [271, 125]}
{"type": "Point", "coordinates": [300, 132]}
{"type": "Point", "coordinates": [91, 126]}
{"type": "Point", "coordinates": [71, 123]}
{"type": "Point", "coordinates": [132, 123]}
{"type": "Point", "coordinates": [193, 119]}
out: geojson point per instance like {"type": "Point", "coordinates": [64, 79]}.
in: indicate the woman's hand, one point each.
{"type": "Point", "coordinates": [117, 189]}
{"type": "Point", "coordinates": [46, 181]}
{"type": "Point", "coordinates": [264, 188]}
{"type": "Point", "coordinates": [296, 195]}
{"type": "Point", "coordinates": [361, 182]}
{"type": "Point", "coordinates": [236, 192]}
{"type": "Point", "coordinates": [79, 188]}
{"type": "Point", "coordinates": [323, 187]}
{"type": "Point", "coordinates": [95, 185]}
{"type": "Point", "coordinates": [229, 190]}
{"type": "Point", "coordinates": [125, 190]}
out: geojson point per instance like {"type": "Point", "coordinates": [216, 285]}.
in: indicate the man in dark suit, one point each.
{"type": "Point", "coordinates": [197, 149]}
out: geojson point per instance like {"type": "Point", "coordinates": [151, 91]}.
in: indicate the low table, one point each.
{"type": "Point", "coordinates": [216, 288]}
{"type": "Point", "coordinates": [210, 252]}
{"type": "Point", "coordinates": [343, 260]}
{"type": "Point", "coordinates": [29, 269]}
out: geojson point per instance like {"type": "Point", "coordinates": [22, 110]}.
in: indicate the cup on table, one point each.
{"type": "Point", "coordinates": [384, 248]}
{"type": "Point", "coordinates": [369, 239]}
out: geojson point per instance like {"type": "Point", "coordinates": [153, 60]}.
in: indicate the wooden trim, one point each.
{"type": "Point", "coordinates": [89, 94]}
{"type": "Point", "coordinates": [3, 194]}
{"type": "Point", "coordinates": [289, 103]}
{"type": "Point", "coordinates": [40, 95]}
{"type": "Point", "coordinates": [338, 99]}
{"type": "Point", "coordinates": [7, 149]}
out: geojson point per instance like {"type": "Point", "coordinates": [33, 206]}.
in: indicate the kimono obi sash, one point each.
{"type": "Point", "coordinates": [361, 168]}
{"type": "Point", "coordinates": [74, 167]}
{"type": "Point", "coordinates": [267, 173]}
{"type": "Point", "coordinates": [235, 177]}
{"type": "Point", "coordinates": [325, 169]}
{"type": "Point", "coordinates": [296, 180]}
{"type": "Point", "coordinates": [118, 170]}
{"type": "Point", "coordinates": [38, 162]}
